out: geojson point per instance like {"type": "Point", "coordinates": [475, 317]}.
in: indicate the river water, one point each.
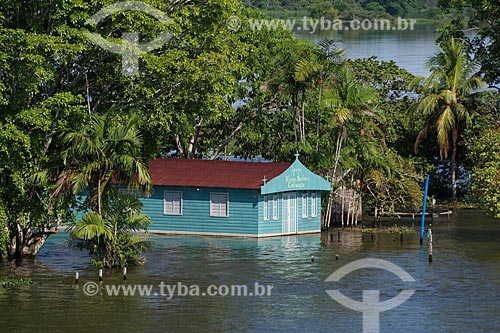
{"type": "Point", "coordinates": [410, 49]}
{"type": "Point", "coordinates": [458, 292]}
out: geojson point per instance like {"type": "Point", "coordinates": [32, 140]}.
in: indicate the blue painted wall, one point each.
{"type": "Point", "coordinates": [242, 219]}
{"type": "Point", "coordinates": [310, 223]}
{"type": "Point", "coordinates": [246, 213]}
{"type": "Point", "coordinates": [275, 226]}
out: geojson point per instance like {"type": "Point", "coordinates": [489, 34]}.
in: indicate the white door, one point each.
{"type": "Point", "coordinates": [289, 221]}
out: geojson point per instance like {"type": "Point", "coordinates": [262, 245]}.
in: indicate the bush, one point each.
{"type": "Point", "coordinates": [486, 171]}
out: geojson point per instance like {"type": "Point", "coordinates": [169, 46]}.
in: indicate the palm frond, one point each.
{"type": "Point", "coordinates": [91, 226]}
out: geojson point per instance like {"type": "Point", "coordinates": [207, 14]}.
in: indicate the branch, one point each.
{"type": "Point", "coordinates": [231, 136]}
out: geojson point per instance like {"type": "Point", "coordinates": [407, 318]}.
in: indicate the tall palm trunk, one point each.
{"type": "Point", "coordinates": [302, 117]}
{"type": "Point", "coordinates": [454, 164]}
{"type": "Point", "coordinates": [99, 208]}
{"type": "Point", "coordinates": [318, 115]}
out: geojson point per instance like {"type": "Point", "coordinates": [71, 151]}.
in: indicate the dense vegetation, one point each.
{"type": "Point", "coordinates": [71, 123]}
{"type": "Point", "coordinates": [351, 8]}
{"type": "Point", "coordinates": [483, 136]}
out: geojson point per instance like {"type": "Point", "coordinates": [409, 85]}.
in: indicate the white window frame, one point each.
{"type": "Point", "coordinates": [276, 211]}
{"type": "Point", "coordinates": [266, 207]}
{"type": "Point", "coordinates": [304, 205]}
{"type": "Point", "coordinates": [219, 194]}
{"type": "Point", "coordinates": [314, 204]}
{"type": "Point", "coordinates": [173, 212]}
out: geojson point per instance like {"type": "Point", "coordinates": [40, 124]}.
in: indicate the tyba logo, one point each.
{"type": "Point", "coordinates": [371, 306]}
{"type": "Point", "coordinates": [129, 49]}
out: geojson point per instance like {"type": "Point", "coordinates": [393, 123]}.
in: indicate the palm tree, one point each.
{"type": "Point", "coordinates": [112, 238]}
{"type": "Point", "coordinates": [100, 161]}
{"type": "Point", "coordinates": [350, 101]}
{"type": "Point", "coordinates": [101, 156]}
{"type": "Point", "coordinates": [446, 91]}
{"type": "Point", "coordinates": [315, 72]}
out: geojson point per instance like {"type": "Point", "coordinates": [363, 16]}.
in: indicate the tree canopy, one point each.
{"type": "Point", "coordinates": [351, 8]}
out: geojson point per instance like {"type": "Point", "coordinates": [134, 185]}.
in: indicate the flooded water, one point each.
{"type": "Point", "coordinates": [458, 292]}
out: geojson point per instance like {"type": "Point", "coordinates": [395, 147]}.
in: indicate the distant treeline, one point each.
{"type": "Point", "coordinates": [352, 8]}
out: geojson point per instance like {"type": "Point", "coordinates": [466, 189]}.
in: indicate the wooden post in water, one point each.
{"type": "Point", "coordinates": [424, 206]}
{"type": "Point", "coordinates": [100, 275]}
{"type": "Point", "coordinates": [430, 244]}
{"type": "Point", "coordinates": [77, 276]}
{"type": "Point", "coordinates": [338, 235]}
{"type": "Point", "coordinates": [124, 273]}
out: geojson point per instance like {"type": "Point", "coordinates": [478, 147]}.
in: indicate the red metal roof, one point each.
{"type": "Point", "coordinates": [205, 173]}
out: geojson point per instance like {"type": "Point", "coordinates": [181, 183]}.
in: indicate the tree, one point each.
{"type": "Point", "coordinates": [113, 239]}
{"type": "Point", "coordinates": [319, 70]}
{"type": "Point", "coordinates": [99, 162]}
{"type": "Point", "coordinates": [102, 155]}
{"type": "Point", "coordinates": [349, 100]}
{"type": "Point", "coordinates": [351, 106]}
{"type": "Point", "coordinates": [486, 170]}
{"type": "Point", "coordinates": [485, 46]}
{"type": "Point", "coordinates": [33, 108]}
{"type": "Point", "coordinates": [54, 78]}
{"type": "Point", "coordinates": [446, 96]}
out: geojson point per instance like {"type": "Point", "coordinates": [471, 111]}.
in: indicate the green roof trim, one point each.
{"type": "Point", "coordinates": [296, 178]}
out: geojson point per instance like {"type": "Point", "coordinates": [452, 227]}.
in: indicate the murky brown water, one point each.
{"type": "Point", "coordinates": [459, 292]}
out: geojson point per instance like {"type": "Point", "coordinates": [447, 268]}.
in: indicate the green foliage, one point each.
{"type": "Point", "coordinates": [486, 171]}
{"type": "Point", "coordinates": [485, 46]}
{"type": "Point", "coordinates": [98, 160]}
{"type": "Point", "coordinates": [446, 102]}
{"type": "Point", "coordinates": [14, 282]}
{"type": "Point", "coordinates": [113, 239]}
{"type": "Point", "coordinates": [4, 232]}
{"type": "Point", "coordinates": [208, 90]}
{"type": "Point", "coordinates": [395, 229]}
{"type": "Point", "coordinates": [351, 8]}
{"type": "Point", "coordinates": [101, 155]}
{"type": "Point", "coordinates": [398, 190]}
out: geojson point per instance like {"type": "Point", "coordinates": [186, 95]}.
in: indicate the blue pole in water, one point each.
{"type": "Point", "coordinates": [424, 206]}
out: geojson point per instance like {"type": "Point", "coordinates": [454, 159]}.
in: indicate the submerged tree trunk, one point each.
{"type": "Point", "coordinates": [26, 242]}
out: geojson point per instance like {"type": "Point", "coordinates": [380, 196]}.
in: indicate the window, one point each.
{"type": "Point", "coordinates": [266, 207]}
{"type": "Point", "coordinates": [304, 204]}
{"type": "Point", "coordinates": [276, 206]}
{"type": "Point", "coordinates": [219, 204]}
{"type": "Point", "coordinates": [314, 204]}
{"type": "Point", "coordinates": [172, 203]}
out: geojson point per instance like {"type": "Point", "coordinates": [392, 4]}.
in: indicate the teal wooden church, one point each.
{"type": "Point", "coordinates": [228, 198]}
